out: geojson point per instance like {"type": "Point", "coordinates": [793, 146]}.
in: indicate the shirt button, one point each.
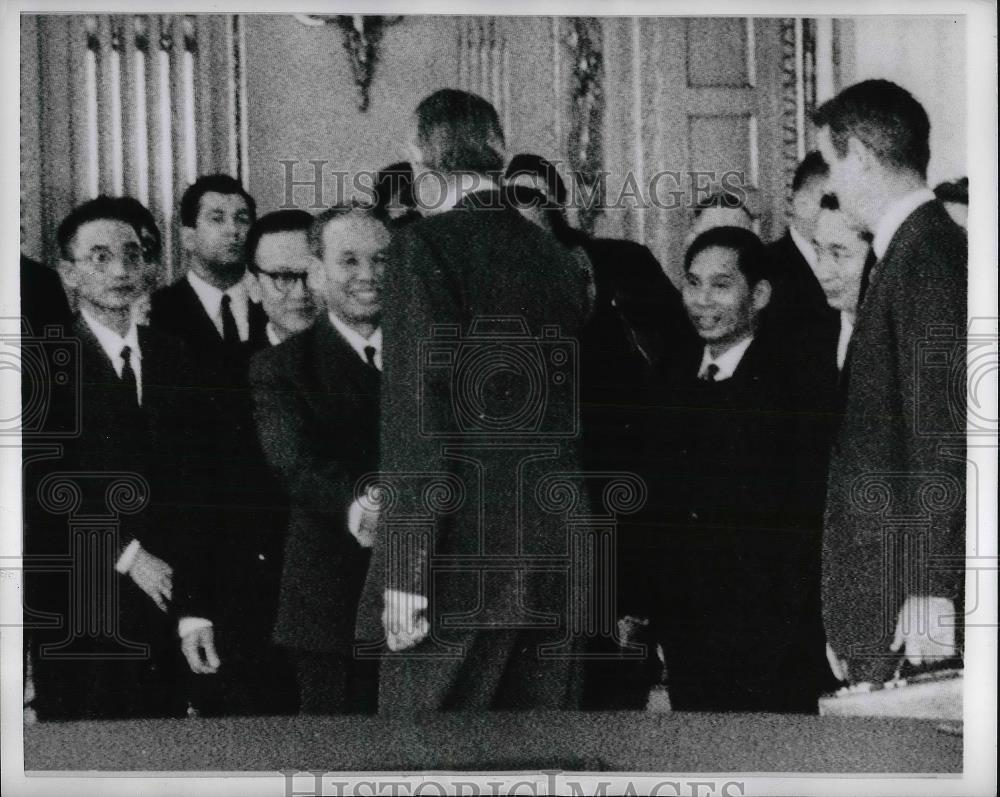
{"type": "Point", "coordinates": [693, 515]}
{"type": "Point", "coordinates": [261, 557]}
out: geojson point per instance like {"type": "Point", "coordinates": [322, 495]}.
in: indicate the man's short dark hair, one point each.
{"type": "Point", "coordinates": [954, 191]}
{"type": "Point", "coordinates": [885, 118]}
{"type": "Point", "coordinates": [751, 254]}
{"type": "Point", "coordinates": [211, 183]}
{"type": "Point", "coordinates": [100, 208]}
{"type": "Point", "coordinates": [278, 221]}
{"type": "Point", "coordinates": [812, 166]}
{"type": "Point", "coordinates": [458, 131]}
{"type": "Point", "coordinates": [722, 199]}
{"type": "Point", "coordinates": [527, 163]}
{"type": "Point", "coordinates": [142, 219]}
{"type": "Point", "coordinates": [394, 186]}
{"type": "Point", "coordinates": [319, 222]}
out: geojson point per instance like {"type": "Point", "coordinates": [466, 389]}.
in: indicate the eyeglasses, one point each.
{"type": "Point", "coordinates": [100, 257]}
{"type": "Point", "coordinates": [285, 281]}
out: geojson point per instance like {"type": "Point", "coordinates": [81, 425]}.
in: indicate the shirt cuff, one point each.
{"type": "Point", "coordinates": [354, 517]}
{"type": "Point", "coordinates": [124, 563]}
{"type": "Point", "coordinates": [187, 625]}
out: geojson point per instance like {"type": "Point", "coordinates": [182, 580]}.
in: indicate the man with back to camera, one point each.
{"type": "Point", "coordinates": [899, 412]}
{"type": "Point", "coordinates": [316, 400]}
{"type": "Point", "coordinates": [470, 260]}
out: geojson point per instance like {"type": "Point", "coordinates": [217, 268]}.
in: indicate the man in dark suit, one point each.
{"type": "Point", "coordinates": [43, 298]}
{"type": "Point", "coordinates": [732, 548]}
{"type": "Point", "coordinates": [891, 592]}
{"type": "Point", "coordinates": [138, 403]}
{"type": "Point", "coordinates": [467, 443]}
{"type": "Point", "coordinates": [798, 306]}
{"type": "Point", "coordinates": [209, 307]}
{"type": "Point", "coordinates": [316, 401]}
{"type": "Point", "coordinates": [236, 575]}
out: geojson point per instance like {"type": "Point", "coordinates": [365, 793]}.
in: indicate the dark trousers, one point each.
{"type": "Point", "coordinates": [257, 684]}
{"type": "Point", "coordinates": [331, 682]}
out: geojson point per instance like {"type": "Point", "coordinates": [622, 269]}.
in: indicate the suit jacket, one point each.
{"type": "Point", "coordinates": [475, 433]}
{"type": "Point", "coordinates": [159, 442]}
{"type": "Point", "coordinates": [43, 299]}
{"type": "Point", "coordinates": [176, 309]}
{"type": "Point", "coordinates": [797, 300]}
{"type": "Point", "coordinates": [317, 408]}
{"type": "Point", "coordinates": [898, 470]}
{"type": "Point", "coordinates": [732, 541]}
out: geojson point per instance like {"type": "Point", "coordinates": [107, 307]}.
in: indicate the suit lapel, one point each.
{"type": "Point", "coordinates": [338, 363]}
{"type": "Point", "coordinates": [200, 322]}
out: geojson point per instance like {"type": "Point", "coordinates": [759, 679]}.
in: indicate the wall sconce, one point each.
{"type": "Point", "coordinates": [361, 38]}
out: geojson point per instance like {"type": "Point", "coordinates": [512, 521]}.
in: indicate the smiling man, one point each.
{"type": "Point", "coordinates": [732, 548]}
{"type": "Point", "coordinates": [316, 400]}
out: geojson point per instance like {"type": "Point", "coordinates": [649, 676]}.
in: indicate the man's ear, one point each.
{"type": "Point", "coordinates": [761, 295]}
{"type": "Point", "coordinates": [316, 281]}
{"type": "Point", "coordinates": [861, 152]}
{"type": "Point", "coordinates": [67, 271]}
{"type": "Point", "coordinates": [253, 287]}
{"type": "Point", "coordinates": [187, 238]}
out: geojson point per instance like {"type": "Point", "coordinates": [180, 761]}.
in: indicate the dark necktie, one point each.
{"type": "Point", "coordinates": [230, 332]}
{"type": "Point", "coordinates": [370, 356]}
{"type": "Point", "coordinates": [128, 375]}
{"type": "Point", "coordinates": [711, 372]}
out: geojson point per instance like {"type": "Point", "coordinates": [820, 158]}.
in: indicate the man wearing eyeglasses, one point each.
{"type": "Point", "coordinates": [136, 397]}
{"type": "Point", "coordinates": [316, 401]}
{"type": "Point", "coordinates": [278, 256]}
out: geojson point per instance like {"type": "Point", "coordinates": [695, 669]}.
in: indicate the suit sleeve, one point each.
{"type": "Point", "coordinates": [418, 295]}
{"type": "Point", "coordinates": [932, 407]}
{"type": "Point", "coordinates": [316, 480]}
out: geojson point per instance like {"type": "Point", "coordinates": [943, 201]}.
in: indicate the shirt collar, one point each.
{"type": "Point", "coordinates": [111, 341]}
{"type": "Point", "coordinates": [844, 338]}
{"type": "Point", "coordinates": [727, 362]}
{"type": "Point", "coordinates": [894, 217]}
{"type": "Point", "coordinates": [804, 246]}
{"type": "Point", "coordinates": [211, 297]}
{"type": "Point", "coordinates": [357, 342]}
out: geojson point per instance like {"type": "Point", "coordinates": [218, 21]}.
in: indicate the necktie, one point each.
{"type": "Point", "coordinates": [370, 356]}
{"type": "Point", "coordinates": [128, 375]}
{"type": "Point", "coordinates": [230, 332]}
{"type": "Point", "coordinates": [710, 373]}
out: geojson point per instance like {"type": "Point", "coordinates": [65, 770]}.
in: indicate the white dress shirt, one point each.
{"type": "Point", "coordinates": [113, 343]}
{"type": "Point", "coordinates": [358, 342]}
{"type": "Point", "coordinates": [727, 362]}
{"type": "Point", "coordinates": [211, 299]}
{"type": "Point", "coordinates": [846, 330]}
{"type": "Point", "coordinates": [895, 215]}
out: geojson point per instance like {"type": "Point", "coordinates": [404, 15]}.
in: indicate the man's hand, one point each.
{"type": "Point", "coordinates": [365, 534]}
{"type": "Point", "coordinates": [402, 620]}
{"type": "Point", "coordinates": [925, 629]}
{"type": "Point", "coordinates": [153, 576]}
{"type": "Point", "coordinates": [198, 648]}
{"type": "Point", "coordinates": [838, 666]}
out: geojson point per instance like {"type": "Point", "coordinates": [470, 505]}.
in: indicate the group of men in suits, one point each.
{"type": "Point", "coordinates": [362, 478]}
